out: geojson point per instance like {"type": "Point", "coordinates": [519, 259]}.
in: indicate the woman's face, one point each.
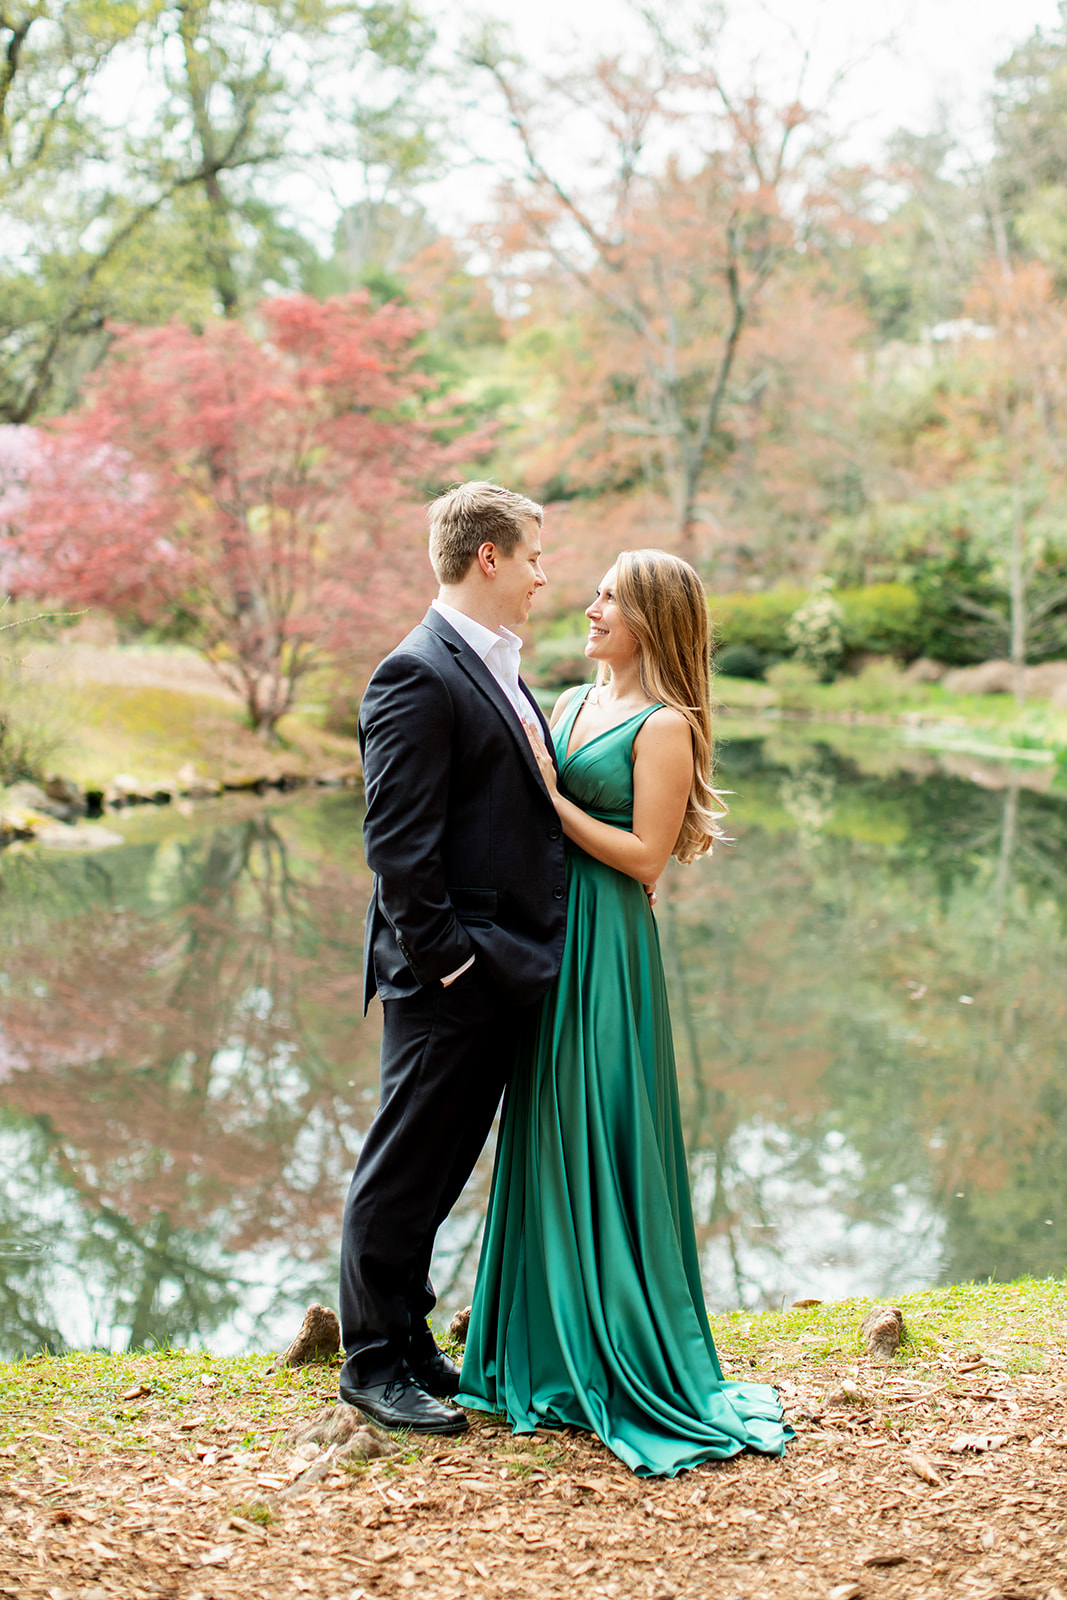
{"type": "Point", "coordinates": [610, 640]}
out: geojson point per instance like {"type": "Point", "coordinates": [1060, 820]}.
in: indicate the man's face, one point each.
{"type": "Point", "coordinates": [518, 578]}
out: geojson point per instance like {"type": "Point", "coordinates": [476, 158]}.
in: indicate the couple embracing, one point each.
{"type": "Point", "coordinates": [512, 941]}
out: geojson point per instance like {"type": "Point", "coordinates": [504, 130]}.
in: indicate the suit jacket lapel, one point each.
{"type": "Point", "coordinates": [480, 675]}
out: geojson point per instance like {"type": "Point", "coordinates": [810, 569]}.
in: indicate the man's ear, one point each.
{"type": "Point", "coordinates": [487, 558]}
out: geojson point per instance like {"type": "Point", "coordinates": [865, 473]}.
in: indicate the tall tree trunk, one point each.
{"type": "Point", "coordinates": [1017, 594]}
{"type": "Point", "coordinates": [154, 1268]}
{"type": "Point", "coordinates": [695, 443]}
{"type": "Point", "coordinates": [198, 82]}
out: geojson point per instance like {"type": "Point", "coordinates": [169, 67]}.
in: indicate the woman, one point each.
{"type": "Point", "coordinates": [588, 1309]}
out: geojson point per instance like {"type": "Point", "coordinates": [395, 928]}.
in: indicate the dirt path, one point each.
{"type": "Point", "coordinates": [945, 1478]}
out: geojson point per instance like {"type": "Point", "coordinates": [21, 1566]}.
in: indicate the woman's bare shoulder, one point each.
{"type": "Point", "coordinates": [665, 723]}
{"type": "Point", "coordinates": [563, 702]}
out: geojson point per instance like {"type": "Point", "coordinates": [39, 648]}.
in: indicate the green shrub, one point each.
{"type": "Point", "coordinates": [741, 661]}
{"type": "Point", "coordinates": [881, 686]}
{"type": "Point", "coordinates": [793, 682]}
{"type": "Point", "coordinates": [757, 620]}
{"type": "Point", "coordinates": [559, 662]}
{"type": "Point", "coordinates": [884, 619]}
{"type": "Point", "coordinates": [36, 719]}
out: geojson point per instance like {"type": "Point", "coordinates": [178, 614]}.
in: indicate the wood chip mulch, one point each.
{"type": "Point", "coordinates": [949, 1480]}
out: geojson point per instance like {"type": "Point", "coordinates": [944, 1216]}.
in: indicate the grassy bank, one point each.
{"type": "Point", "coordinates": [1015, 1327]}
{"type": "Point", "coordinates": [98, 711]}
{"type": "Point", "coordinates": [924, 714]}
{"type": "Point", "coordinates": [945, 1472]}
{"type": "Point", "coordinates": [152, 733]}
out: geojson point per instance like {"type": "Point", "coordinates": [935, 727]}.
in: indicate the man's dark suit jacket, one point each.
{"type": "Point", "coordinates": [464, 842]}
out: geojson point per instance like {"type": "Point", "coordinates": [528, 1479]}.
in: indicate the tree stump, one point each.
{"type": "Point", "coordinates": [457, 1328]}
{"type": "Point", "coordinates": [883, 1328]}
{"type": "Point", "coordinates": [319, 1340]}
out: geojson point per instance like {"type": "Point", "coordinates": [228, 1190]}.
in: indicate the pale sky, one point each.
{"type": "Point", "coordinates": [904, 58]}
{"type": "Point", "coordinates": [908, 53]}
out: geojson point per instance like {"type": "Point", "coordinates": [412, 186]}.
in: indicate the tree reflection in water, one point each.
{"type": "Point", "coordinates": [185, 1075]}
{"type": "Point", "coordinates": [862, 1127]}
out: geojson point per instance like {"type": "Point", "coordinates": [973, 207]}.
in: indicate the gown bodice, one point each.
{"type": "Point", "coordinates": [599, 776]}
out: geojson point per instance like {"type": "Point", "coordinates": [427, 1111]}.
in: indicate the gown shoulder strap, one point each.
{"type": "Point", "coordinates": [574, 705]}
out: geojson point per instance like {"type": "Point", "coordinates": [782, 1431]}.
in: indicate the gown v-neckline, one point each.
{"type": "Point", "coordinates": [579, 702]}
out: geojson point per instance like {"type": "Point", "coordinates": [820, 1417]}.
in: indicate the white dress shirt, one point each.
{"type": "Point", "coordinates": [501, 653]}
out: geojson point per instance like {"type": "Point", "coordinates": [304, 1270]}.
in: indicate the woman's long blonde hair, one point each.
{"type": "Point", "coordinates": [662, 602]}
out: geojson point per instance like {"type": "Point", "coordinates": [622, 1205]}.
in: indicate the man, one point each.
{"type": "Point", "coordinates": [464, 931]}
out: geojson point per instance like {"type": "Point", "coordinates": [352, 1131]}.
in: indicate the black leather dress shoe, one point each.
{"type": "Point", "coordinates": [437, 1374]}
{"type": "Point", "coordinates": [400, 1403]}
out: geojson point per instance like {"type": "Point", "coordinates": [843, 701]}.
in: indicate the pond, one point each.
{"type": "Point", "coordinates": [869, 1005]}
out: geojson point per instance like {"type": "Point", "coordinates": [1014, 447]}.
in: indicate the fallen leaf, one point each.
{"type": "Point", "coordinates": [218, 1555]}
{"type": "Point", "coordinates": [137, 1393]}
{"type": "Point", "coordinates": [977, 1442]}
{"type": "Point", "coordinates": [242, 1525]}
{"type": "Point", "coordinates": [207, 1381]}
{"type": "Point", "coordinates": [923, 1468]}
{"type": "Point", "coordinates": [887, 1558]}
{"type": "Point", "coordinates": [101, 1550]}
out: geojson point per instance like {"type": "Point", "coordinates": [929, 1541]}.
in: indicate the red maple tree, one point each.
{"type": "Point", "coordinates": [269, 487]}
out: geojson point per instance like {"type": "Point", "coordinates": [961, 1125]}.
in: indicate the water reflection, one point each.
{"type": "Point", "coordinates": [186, 1076]}
{"type": "Point", "coordinates": [871, 993]}
{"type": "Point", "coordinates": [869, 1008]}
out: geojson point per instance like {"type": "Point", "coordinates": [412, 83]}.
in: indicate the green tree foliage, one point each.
{"type": "Point", "coordinates": [1028, 180]}
{"type": "Point", "coordinates": [169, 210]}
{"type": "Point", "coordinates": [912, 271]}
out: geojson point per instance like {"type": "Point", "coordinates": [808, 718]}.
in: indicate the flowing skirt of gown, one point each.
{"type": "Point", "coordinates": [588, 1308]}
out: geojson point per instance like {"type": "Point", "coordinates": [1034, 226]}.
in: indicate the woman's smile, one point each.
{"type": "Point", "coordinates": [606, 623]}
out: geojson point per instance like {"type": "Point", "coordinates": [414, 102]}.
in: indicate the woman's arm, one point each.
{"type": "Point", "coordinates": [663, 773]}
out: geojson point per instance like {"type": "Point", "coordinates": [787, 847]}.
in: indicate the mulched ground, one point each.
{"type": "Point", "coordinates": [939, 1478]}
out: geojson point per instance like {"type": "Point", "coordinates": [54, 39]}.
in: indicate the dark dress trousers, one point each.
{"type": "Point", "coordinates": [468, 859]}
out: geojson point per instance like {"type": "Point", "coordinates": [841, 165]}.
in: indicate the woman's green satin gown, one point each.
{"type": "Point", "coordinates": [588, 1308]}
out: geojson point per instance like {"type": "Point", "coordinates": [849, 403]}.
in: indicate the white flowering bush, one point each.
{"type": "Point", "coordinates": [814, 630]}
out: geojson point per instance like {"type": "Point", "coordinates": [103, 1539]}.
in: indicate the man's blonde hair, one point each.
{"type": "Point", "coordinates": [473, 514]}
